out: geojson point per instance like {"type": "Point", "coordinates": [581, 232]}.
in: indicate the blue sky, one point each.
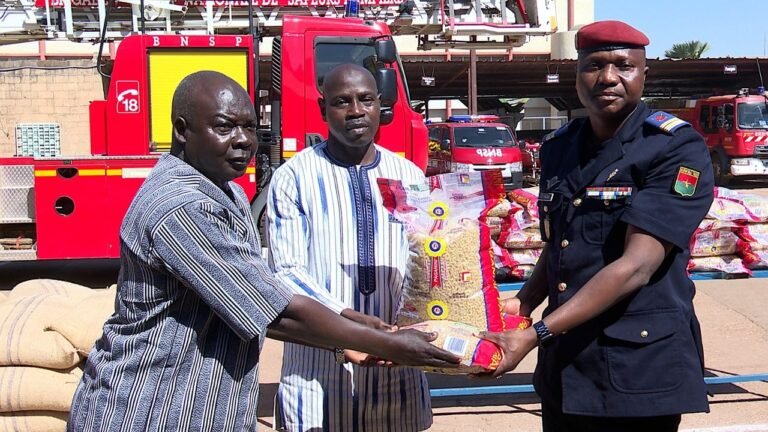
{"type": "Point", "coordinates": [733, 28]}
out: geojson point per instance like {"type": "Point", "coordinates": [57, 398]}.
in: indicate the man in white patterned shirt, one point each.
{"type": "Point", "coordinates": [194, 296]}
{"type": "Point", "coordinates": [332, 239]}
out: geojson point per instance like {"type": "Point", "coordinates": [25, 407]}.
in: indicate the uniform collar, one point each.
{"type": "Point", "coordinates": [609, 151]}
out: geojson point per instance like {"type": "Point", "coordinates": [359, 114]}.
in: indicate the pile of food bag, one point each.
{"type": "Point", "coordinates": [733, 238]}
{"type": "Point", "coordinates": [450, 282]}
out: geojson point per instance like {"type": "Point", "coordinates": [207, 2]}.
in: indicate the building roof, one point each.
{"type": "Point", "coordinates": [497, 76]}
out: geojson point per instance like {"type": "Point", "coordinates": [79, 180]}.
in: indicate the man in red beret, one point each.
{"type": "Point", "coordinates": [622, 191]}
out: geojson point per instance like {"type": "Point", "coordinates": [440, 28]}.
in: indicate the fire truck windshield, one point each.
{"type": "Point", "coordinates": [483, 136]}
{"type": "Point", "coordinates": [752, 115]}
{"type": "Point", "coordinates": [331, 52]}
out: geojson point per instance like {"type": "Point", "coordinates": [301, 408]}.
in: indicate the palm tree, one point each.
{"type": "Point", "coordinates": [687, 50]}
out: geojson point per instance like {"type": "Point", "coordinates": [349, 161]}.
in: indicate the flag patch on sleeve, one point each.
{"type": "Point", "coordinates": [686, 181]}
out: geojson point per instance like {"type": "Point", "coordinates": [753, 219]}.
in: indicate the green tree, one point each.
{"type": "Point", "coordinates": [687, 50]}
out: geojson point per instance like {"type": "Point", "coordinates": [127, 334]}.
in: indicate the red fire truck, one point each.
{"type": "Point", "coordinates": [735, 128]}
{"type": "Point", "coordinates": [475, 143]}
{"type": "Point", "coordinates": [71, 207]}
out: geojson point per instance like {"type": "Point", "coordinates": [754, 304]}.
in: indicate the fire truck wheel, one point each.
{"type": "Point", "coordinates": [720, 169]}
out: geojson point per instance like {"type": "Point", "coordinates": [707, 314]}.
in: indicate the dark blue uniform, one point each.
{"type": "Point", "coordinates": [642, 357]}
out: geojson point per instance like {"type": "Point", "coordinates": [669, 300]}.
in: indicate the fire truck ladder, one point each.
{"type": "Point", "coordinates": [438, 23]}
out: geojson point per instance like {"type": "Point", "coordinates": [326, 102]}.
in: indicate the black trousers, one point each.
{"type": "Point", "coordinates": [554, 420]}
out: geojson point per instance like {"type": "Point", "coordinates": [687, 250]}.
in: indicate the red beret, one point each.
{"type": "Point", "coordinates": [608, 36]}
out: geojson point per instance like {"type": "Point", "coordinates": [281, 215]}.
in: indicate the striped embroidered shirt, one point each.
{"type": "Point", "coordinates": [194, 299]}
{"type": "Point", "coordinates": [333, 240]}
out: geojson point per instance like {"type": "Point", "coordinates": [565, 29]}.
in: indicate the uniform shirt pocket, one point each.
{"type": "Point", "coordinates": [600, 218]}
{"type": "Point", "coordinates": [643, 351]}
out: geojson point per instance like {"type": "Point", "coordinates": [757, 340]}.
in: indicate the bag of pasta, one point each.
{"type": "Point", "coordinates": [450, 274]}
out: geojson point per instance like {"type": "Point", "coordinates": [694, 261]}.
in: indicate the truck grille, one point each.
{"type": "Point", "coordinates": [761, 150]}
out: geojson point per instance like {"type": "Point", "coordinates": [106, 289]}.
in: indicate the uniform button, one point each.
{"type": "Point", "coordinates": [562, 286]}
{"type": "Point", "coordinates": [546, 208]}
{"type": "Point", "coordinates": [606, 203]}
{"type": "Point", "coordinates": [644, 334]}
{"type": "Point", "coordinates": [564, 244]}
{"type": "Point", "coordinates": [577, 202]}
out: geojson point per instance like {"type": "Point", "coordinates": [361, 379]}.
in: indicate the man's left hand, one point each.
{"type": "Point", "coordinates": [364, 359]}
{"type": "Point", "coordinates": [367, 320]}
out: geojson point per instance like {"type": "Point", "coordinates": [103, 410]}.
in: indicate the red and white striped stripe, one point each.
{"type": "Point", "coordinates": [756, 138]}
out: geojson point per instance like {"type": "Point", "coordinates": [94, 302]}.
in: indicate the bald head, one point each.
{"type": "Point", "coordinates": [214, 126]}
{"type": "Point", "coordinates": [342, 73]}
{"type": "Point", "coordinates": [196, 86]}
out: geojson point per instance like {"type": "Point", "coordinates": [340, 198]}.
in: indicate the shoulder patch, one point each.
{"type": "Point", "coordinates": [666, 122]}
{"type": "Point", "coordinates": [557, 132]}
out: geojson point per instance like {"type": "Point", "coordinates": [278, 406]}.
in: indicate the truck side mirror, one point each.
{"type": "Point", "coordinates": [386, 116]}
{"type": "Point", "coordinates": [386, 81]}
{"type": "Point", "coordinates": [385, 50]}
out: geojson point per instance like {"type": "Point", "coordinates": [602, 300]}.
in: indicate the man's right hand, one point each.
{"type": "Point", "coordinates": [413, 348]}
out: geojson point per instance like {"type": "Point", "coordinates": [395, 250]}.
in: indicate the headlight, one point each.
{"type": "Point", "coordinates": [741, 162]}
{"type": "Point", "coordinates": [516, 167]}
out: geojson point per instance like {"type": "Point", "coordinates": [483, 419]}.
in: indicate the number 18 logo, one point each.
{"type": "Point", "coordinates": [128, 97]}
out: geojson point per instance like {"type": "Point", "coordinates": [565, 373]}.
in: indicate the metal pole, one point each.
{"type": "Point", "coordinates": [473, 81]}
{"type": "Point", "coordinates": [141, 11]}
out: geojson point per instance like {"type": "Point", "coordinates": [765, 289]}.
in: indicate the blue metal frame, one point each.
{"type": "Point", "coordinates": [528, 388]}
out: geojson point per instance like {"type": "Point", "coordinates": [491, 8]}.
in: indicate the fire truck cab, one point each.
{"type": "Point", "coordinates": [475, 143]}
{"type": "Point", "coordinates": [735, 128]}
{"type": "Point", "coordinates": [72, 207]}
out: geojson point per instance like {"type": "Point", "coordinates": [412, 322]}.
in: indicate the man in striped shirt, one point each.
{"type": "Point", "coordinates": [194, 296]}
{"type": "Point", "coordinates": [332, 238]}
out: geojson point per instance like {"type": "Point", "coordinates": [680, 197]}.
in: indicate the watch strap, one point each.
{"type": "Point", "coordinates": [339, 355]}
{"type": "Point", "coordinates": [542, 333]}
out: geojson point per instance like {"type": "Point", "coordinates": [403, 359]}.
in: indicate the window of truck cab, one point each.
{"type": "Point", "coordinates": [331, 51]}
{"type": "Point", "coordinates": [481, 136]}
{"type": "Point", "coordinates": [752, 115]}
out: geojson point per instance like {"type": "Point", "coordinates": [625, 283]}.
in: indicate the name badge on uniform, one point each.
{"type": "Point", "coordinates": [608, 193]}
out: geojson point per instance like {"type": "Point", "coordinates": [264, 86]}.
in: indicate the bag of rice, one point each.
{"type": "Point", "coordinates": [730, 264]}
{"type": "Point", "coordinates": [477, 355]}
{"type": "Point", "coordinates": [757, 233]}
{"type": "Point", "coordinates": [756, 206]}
{"type": "Point", "coordinates": [514, 274]}
{"type": "Point", "coordinates": [450, 273]}
{"type": "Point", "coordinates": [755, 259]}
{"type": "Point", "coordinates": [713, 243]}
{"type": "Point", "coordinates": [521, 239]}
{"type": "Point", "coordinates": [528, 198]}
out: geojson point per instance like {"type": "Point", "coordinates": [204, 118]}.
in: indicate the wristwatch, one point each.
{"type": "Point", "coordinates": [543, 334]}
{"type": "Point", "coordinates": [339, 354]}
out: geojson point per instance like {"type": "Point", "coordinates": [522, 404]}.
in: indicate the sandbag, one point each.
{"type": "Point", "coordinates": [25, 334]}
{"type": "Point", "coordinates": [33, 421]}
{"type": "Point", "coordinates": [26, 388]}
{"type": "Point", "coordinates": [83, 323]}
{"type": "Point", "coordinates": [50, 286]}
